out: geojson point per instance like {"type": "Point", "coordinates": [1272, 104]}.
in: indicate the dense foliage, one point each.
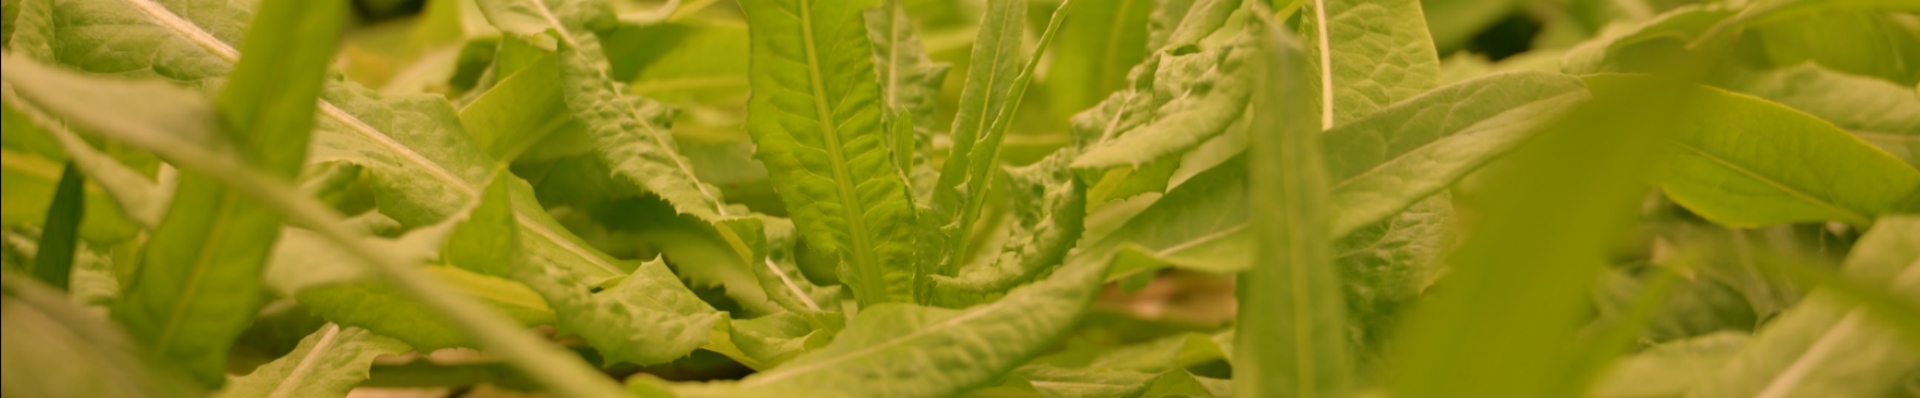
{"type": "Point", "coordinates": [929, 198]}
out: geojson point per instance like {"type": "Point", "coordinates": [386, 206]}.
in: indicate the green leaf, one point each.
{"type": "Point", "coordinates": [1879, 112]}
{"type": "Point", "coordinates": [328, 363]}
{"type": "Point", "coordinates": [328, 281]}
{"type": "Point", "coordinates": [62, 350]}
{"type": "Point", "coordinates": [1384, 163]}
{"type": "Point", "coordinates": [1147, 369]}
{"type": "Point", "coordinates": [1499, 322]}
{"type": "Point", "coordinates": [1669, 369]}
{"type": "Point", "coordinates": [967, 177]}
{"type": "Point", "coordinates": [1049, 212]}
{"type": "Point", "coordinates": [60, 235]}
{"type": "Point", "coordinates": [816, 119]}
{"type": "Point", "coordinates": [1368, 55]}
{"type": "Point", "coordinates": [780, 276]}
{"type": "Point", "coordinates": [1291, 319]}
{"type": "Point", "coordinates": [1828, 345]}
{"type": "Point", "coordinates": [1105, 38]}
{"type": "Point", "coordinates": [423, 165]}
{"type": "Point", "coordinates": [519, 111]}
{"type": "Point", "coordinates": [199, 279]}
{"type": "Point", "coordinates": [910, 86]}
{"type": "Point", "coordinates": [1190, 89]}
{"type": "Point", "coordinates": [1741, 161]}
{"type": "Point", "coordinates": [92, 283]}
{"type": "Point", "coordinates": [139, 199]}
{"type": "Point", "coordinates": [645, 318]}
{"type": "Point", "coordinates": [906, 350]}
{"type": "Point", "coordinates": [1656, 44]}
{"type": "Point", "coordinates": [1857, 42]}
{"type": "Point", "coordinates": [629, 133]}
{"type": "Point", "coordinates": [73, 95]}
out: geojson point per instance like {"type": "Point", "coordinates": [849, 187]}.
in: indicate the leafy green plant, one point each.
{"type": "Point", "coordinates": [994, 198]}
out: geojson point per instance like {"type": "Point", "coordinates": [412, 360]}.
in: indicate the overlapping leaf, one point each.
{"type": "Point", "coordinates": [816, 117]}
{"type": "Point", "coordinates": [1828, 346]}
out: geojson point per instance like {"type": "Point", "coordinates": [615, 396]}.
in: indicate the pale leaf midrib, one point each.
{"type": "Point", "coordinates": [1850, 216]}
{"type": "Point", "coordinates": [788, 282]}
{"type": "Point", "coordinates": [299, 370]}
{"type": "Point", "coordinates": [165, 18]}
{"type": "Point", "coordinates": [864, 261]}
{"type": "Point", "coordinates": [1785, 382]}
{"type": "Point", "coordinates": [602, 78]}
{"type": "Point", "coordinates": [1326, 65]}
{"type": "Point", "coordinates": [970, 314]}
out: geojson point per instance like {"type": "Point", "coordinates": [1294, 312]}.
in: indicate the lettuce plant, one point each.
{"type": "Point", "coordinates": [826, 198]}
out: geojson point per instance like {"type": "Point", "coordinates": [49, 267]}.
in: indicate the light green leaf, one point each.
{"type": "Point", "coordinates": [1190, 89]}
{"type": "Point", "coordinates": [780, 276]}
{"type": "Point", "coordinates": [1501, 323]}
{"type": "Point", "coordinates": [1384, 163]}
{"type": "Point", "coordinates": [92, 283]}
{"type": "Point", "coordinates": [328, 281]}
{"type": "Point", "coordinates": [1368, 54]}
{"type": "Point", "coordinates": [816, 118]}
{"type": "Point", "coordinates": [1408, 151]}
{"type": "Point", "coordinates": [910, 87]}
{"type": "Point", "coordinates": [1049, 212]}
{"type": "Point", "coordinates": [1291, 319]}
{"type": "Point", "coordinates": [519, 111]}
{"type": "Point", "coordinates": [646, 317]}
{"type": "Point", "coordinates": [328, 363]}
{"type": "Point", "coordinates": [198, 284]}
{"type": "Point", "coordinates": [1654, 44]}
{"type": "Point", "coordinates": [1828, 345]}
{"type": "Point", "coordinates": [1669, 369]}
{"type": "Point", "coordinates": [906, 350]}
{"type": "Point", "coordinates": [629, 134]}
{"type": "Point", "coordinates": [1105, 38]}
{"type": "Point", "coordinates": [968, 174]}
{"type": "Point", "coordinates": [1147, 369]}
{"type": "Point", "coordinates": [56, 349]}
{"type": "Point", "coordinates": [1742, 161]}
{"type": "Point", "coordinates": [1858, 42]}
{"type": "Point", "coordinates": [71, 94]}
{"type": "Point", "coordinates": [424, 166]}
{"type": "Point", "coordinates": [1881, 113]}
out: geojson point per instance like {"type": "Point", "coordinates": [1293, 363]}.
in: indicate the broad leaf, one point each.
{"type": "Point", "coordinates": [73, 95]}
{"type": "Point", "coordinates": [1499, 322]}
{"type": "Point", "coordinates": [906, 350]}
{"type": "Point", "coordinates": [1291, 319]}
{"type": "Point", "coordinates": [423, 165]}
{"type": "Point", "coordinates": [1742, 161]}
{"type": "Point", "coordinates": [56, 349]}
{"type": "Point", "coordinates": [199, 279]}
{"type": "Point", "coordinates": [910, 86]}
{"type": "Point", "coordinates": [629, 134]}
{"type": "Point", "coordinates": [1049, 214]}
{"type": "Point", "coordinates": [815, 115]}
{"type": "Point", "coordinates": [1190, 89]}
{"type": "Point", "coordinates": [1104, 40]}
{"type": "Point", "coordinates": [1383, 164]}
{"type": "Point", "coordinates": [1367, 55]}
{"type": "Point", "coordinates": [327, 363]}
{"type": "Point", "coordinates": [1829, 346]}
{"type": "Point", "coordinates": [1669, 369]}
{"type": "Point", "coordinates": [1879, 112]}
